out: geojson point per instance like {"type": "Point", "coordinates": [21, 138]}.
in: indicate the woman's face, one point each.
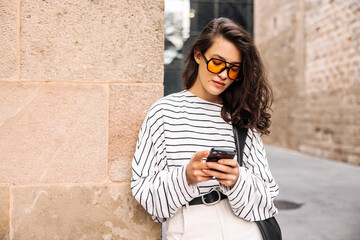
{"type": "Point", "coordinates": [209, 85]}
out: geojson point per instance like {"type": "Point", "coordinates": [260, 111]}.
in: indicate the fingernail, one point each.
{"type": "Point", "coordinates": [209, 164]}
{"type": "Point", "coordinates": [220, 161]}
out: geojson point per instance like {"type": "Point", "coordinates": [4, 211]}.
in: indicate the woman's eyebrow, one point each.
{"type": "Point", "coordinates": [218, 56]}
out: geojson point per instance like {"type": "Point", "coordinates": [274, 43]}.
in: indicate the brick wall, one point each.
{"type": "Point", "coordinates": [75, 85]}
{"type": "Point", "coordinates": [311, 49]}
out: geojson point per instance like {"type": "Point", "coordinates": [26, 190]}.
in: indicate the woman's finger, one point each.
{"type": "Point", "coordinates": [228, 162]}
{"type": "Point", "coordinates": [218, 174]}
{"type": "Point", "coordinates": [198, 156]}
{"type": "Point", "coordinates": [222, 168]}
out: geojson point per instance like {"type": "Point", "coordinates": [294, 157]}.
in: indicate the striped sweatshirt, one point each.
{"type": "Point", "coordinates": [176, 127]}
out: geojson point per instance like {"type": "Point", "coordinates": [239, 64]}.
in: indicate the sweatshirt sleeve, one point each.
{"type": "Point", "coordinates": [252, 196]}
{"type": "Point", "coordinates": [161, 192]}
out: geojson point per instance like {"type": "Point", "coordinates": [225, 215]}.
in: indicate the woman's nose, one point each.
{"type": "Point", "coordinates": [223, 75]}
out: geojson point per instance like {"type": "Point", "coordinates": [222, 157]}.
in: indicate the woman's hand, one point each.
{"type": "Point", "coordinates": [194, 169]}
{"type": "Point", "coordinates": [228, 171]}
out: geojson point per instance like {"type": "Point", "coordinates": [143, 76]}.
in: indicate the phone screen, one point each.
{"type": "Point", "coordinates": [221, 153]}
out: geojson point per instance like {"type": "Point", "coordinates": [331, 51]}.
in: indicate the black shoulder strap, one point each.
{"type": "Point", "coordinates": [269, 228]}
{"type": "Point", "coordinates": [240, 137]}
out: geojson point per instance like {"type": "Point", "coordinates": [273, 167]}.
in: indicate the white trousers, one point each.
{"type": "Point", "coordinates": [215, 222]}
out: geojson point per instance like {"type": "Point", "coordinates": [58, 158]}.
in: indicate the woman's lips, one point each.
{"type": "Point", "coordinates": [218, 84]}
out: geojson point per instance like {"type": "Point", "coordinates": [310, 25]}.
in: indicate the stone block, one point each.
{"type": "Point", "coordinates": [92, 40]}
{"type": "Point", "coordinates": [53, 132]}
{"type": "Point", "coordinates": [4, 212]}
{"type": "Point", "coordinates": [128, 107]}
{"type": "Point", "coordinates": [8, 39]}
{"type": "Point", "coordinates": [79, 212]}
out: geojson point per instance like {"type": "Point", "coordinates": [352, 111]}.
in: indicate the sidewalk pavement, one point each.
{"type": "Point", "coordinates": [329, 192]}
{"type": "Point", "coordinates": [325, 192]}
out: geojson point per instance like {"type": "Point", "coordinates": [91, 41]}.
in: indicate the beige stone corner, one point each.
{"type": "Point", "coordinates": [53, 133]}
{"type": "Point", "coordinates": [128, 107]}
{"type": "Point", "coordinates": [4, 212]}
{"type": "Point", "coordinates": [8, 40]}
{"type": "Point", "coordinates": [92, 40]}
{"type": "Point", "coordinates": [79, 212]}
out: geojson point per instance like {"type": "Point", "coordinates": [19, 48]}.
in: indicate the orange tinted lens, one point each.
{"type": "Point", "coordinates": [215, 66]}
{"type": "Point", "coordinates": [233, 72]}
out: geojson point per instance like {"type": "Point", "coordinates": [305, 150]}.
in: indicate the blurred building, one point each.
{"type": "Point", "coordinates": [312, 52]}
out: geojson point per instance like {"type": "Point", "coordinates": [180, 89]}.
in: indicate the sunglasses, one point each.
{"type": "Point", "coordinates": [215, 65]}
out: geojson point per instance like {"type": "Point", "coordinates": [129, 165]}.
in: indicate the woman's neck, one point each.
{"type": "Point", "coordinates": [203, 94]}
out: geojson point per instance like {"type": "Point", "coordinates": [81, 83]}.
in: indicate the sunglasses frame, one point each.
{"type": "Point", "coordinates": [225, 68]}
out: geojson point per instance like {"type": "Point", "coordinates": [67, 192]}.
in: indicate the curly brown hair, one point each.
{"type": "Point", "coordinates": [247, 102]}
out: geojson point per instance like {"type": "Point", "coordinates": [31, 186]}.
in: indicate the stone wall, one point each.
{"type": "Point", "coordinates": [75, 85]}
{"type": "Point", "coordinates": [311, 49]}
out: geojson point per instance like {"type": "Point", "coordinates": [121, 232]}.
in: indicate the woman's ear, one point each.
{"type": "Point", "coordinates": [197, 56]}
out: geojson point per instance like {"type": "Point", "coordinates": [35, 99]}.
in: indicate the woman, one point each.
{"type": "Point", "coordinates": [225, 84]}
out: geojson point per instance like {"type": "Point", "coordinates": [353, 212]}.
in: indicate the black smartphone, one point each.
{"type": "Point", "coordinates": [220, 153]}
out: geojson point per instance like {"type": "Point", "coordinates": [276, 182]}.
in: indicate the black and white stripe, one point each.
{"type": "Point", "coordinates": [174, 129]}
